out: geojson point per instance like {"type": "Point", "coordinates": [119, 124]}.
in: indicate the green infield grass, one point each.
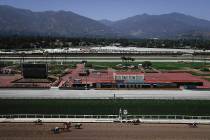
{"type": "Point", "coordinates": [108, 107]}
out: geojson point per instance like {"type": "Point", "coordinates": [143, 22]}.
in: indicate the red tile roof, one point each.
{"type": "Point", "coordinates": [170, 77]}
{"type": "Point", "coordinates": [128, 73]}
{"type": "Point", "coordinates": [107, 77]}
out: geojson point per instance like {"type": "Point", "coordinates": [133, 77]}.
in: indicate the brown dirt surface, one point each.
{"type": "Point", "coordinates": [105, 131]}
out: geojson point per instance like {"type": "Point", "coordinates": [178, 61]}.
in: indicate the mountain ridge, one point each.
{"type": "Point", "coordinates": [69, 24]}
{"type": "Point", "coordinates": [172, 24]}
{"type": "Point", "coordinates": [63, 23]}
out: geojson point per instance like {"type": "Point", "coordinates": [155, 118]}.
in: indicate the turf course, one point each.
{"type": "Point", "coordinates": [100, 107]}
{"type": "Point", "coordinates": [156, 65]}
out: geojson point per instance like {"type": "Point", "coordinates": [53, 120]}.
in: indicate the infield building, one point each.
{"type": "Point", "coordinates": [80, 78]}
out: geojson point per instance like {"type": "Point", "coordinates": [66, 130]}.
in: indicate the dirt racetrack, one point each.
{"type": "Point", "coordinates": [19, 131]}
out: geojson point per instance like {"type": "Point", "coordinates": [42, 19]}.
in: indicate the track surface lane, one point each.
{"type": "Point", "coordinates": [54, 93]}
{"type": "Point", "coordinates": [106, 59]}
{"type": "Point", "coordinates": [104, 131]}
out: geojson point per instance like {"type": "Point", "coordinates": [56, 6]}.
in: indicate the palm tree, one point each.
{"type": "Point", "coordinates": [123, 58]}
{"type": "Point", "coordinates": [132, 59]}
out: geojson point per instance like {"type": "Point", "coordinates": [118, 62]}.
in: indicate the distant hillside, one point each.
{"type": "Point", "coordinates": [61, 23]}
{"type": "Point", "coordinates": [106, 22]}
{"type": "Point", "coordinates": [163, 26]}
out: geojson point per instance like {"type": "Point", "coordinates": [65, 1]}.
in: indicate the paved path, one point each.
{"type": "Point", "coordinates": [55, 93]}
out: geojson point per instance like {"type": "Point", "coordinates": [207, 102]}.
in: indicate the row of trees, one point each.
{"type": "Point", "coordinates": [23, 42]}
{"type": "Point", "coordinates": [127, 60]}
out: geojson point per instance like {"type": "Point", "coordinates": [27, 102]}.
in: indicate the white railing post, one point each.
{"type": "Point", "coordinates": [152, 117]}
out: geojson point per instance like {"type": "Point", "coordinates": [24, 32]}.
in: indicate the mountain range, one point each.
{"type": "Point", "coordinates": [15, 21]}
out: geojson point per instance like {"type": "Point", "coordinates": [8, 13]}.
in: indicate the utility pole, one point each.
{"type": "Point", "coordinates": [147, 44]}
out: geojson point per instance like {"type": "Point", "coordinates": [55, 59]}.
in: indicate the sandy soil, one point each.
{"type": "Point", "coordinates": [93, 131]}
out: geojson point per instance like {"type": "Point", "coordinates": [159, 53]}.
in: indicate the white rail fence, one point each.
{"type": "Point", "coordinates": [151, 117]}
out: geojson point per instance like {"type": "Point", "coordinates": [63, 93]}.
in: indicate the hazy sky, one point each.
{"type": "Point", "coordinates": [117, 9]}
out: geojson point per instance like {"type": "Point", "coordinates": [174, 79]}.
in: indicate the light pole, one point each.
{"type": "Point", "coordinates": [86, 81]}
{"type": "Point", "coordinates": [204, 56]}
{"type": "Point", "coordinates": [120, 114]}
{"type": "Point", "coordinates": [46, 56]}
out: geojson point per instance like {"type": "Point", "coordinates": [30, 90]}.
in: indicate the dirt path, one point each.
{"type": "Point", "coordinates": [105, 132]}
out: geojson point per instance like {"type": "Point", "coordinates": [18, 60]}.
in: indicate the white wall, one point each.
{"type": "Point", "coordinates": [130, 78]}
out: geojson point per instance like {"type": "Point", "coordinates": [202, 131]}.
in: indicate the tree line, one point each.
{"type": "Point", "coordinates": [38, 42]}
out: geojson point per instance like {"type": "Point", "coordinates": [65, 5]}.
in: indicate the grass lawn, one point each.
{"type": "Point", "coordinates": [198, 74]}
{"type": "Point", "coordinates": [105, 65]}
{"type": "Point", "coordinates": [100, 107]}
{"type": "Point", "coordinates": [156, 65]}
{"type": "Point", "coordinates": [175, 65]}
{"type": "Point", "coordinates": [208, 79]}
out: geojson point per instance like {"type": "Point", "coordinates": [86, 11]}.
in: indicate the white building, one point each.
{"type": "Point", "coordinates": [126, 77]}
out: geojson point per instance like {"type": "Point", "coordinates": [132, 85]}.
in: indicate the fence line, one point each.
{"type": "Point", "coordinates": [152, 117]}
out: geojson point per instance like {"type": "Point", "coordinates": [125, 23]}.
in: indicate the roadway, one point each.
{"type": "Point", "coordinates": [55, 93]}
